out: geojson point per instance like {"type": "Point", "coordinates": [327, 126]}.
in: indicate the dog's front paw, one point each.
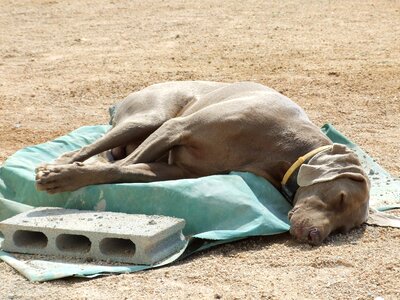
{"type": "Point", "coordinates": [59, 178]}
{"type": "Point", "coordinates": [44, 173]}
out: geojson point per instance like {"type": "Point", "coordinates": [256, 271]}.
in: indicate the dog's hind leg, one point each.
{"type": "Point", "coordinates": [168, 135]}
{"type": "Point", "coordinates": [137, 117]}
{"type": "Point", "coordinates": [130, 130]}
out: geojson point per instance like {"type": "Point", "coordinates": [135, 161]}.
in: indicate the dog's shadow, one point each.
{"type": "Point", "coordinates": [259, 243]}
{"type": "Point", "coordinates": [256, 244]}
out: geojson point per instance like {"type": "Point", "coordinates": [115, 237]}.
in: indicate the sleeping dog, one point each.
{"type": "Point", "coordinates": [190, 129]}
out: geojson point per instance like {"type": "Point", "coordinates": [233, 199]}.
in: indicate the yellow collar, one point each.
{"type": "Point", "coordinates": [300, 161]}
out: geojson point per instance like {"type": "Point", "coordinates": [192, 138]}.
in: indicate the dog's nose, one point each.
{"type": "Point", "coordinates": [314, 236]}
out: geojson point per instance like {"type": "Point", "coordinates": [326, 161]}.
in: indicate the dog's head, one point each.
{"type": "Point", "coordinates": [332, 196]}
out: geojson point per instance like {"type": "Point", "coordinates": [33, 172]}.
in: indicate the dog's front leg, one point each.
{"type": "Point", "coordinates": [65, 178]}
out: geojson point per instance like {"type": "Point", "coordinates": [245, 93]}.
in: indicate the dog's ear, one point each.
{"type": "Point", "coordinates": [381, 219]}
{"type": "Point", "coordinates": [329, 165]}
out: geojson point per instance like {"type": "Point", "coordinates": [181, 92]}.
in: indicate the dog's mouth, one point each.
{"type": "Point", "coordinates": [311, 235]}
{"type": "Point", "coordinates": [304, 231]}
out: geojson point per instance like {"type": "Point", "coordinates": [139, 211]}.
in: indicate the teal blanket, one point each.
{"type": "Point", "coordinates": [217, 209]}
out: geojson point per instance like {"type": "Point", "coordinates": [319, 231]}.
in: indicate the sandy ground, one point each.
{"type": "Point", "coordinates": [62, 63]}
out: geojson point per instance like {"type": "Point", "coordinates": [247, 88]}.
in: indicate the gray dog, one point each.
{"type": "Point", "coordinates": [179, 130]}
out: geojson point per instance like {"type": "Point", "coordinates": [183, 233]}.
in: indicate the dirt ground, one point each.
{"type": "Point", "coordinates": [62, 63]}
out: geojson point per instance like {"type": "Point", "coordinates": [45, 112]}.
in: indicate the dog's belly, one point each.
{"type": "Point", "coordinates": [196, 161]}
{"type": "Point", "coordinates": [200, 162]}
{"type": "Point", "coordinates": [218, 155]}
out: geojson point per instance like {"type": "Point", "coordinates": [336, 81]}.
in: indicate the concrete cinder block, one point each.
{"type": "Point", "coordinates": [119, 237]}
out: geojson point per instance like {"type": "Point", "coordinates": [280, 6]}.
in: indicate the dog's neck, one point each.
{"type": "Point", "coordinates": [289, 184]}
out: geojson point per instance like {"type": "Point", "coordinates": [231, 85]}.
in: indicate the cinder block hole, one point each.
{"type": "Point", "coordinates": [73, 243]}
{"type": "Point", "coordinates": [30, 239]}
{"type": "Point", "coordinates": [117, 247]}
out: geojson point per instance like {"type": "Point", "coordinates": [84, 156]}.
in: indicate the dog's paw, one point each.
{"type": "Point", "coordinates": [41, 171]}
{"type": "Point", "coordinates": [58, 178]}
